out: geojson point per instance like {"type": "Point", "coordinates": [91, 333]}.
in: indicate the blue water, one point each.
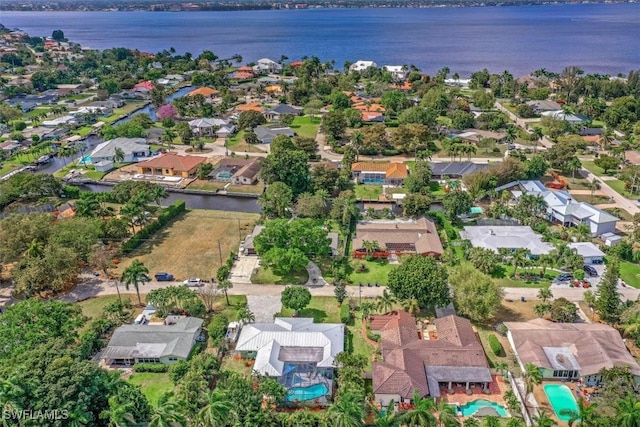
{"type": "Point", "coordinates": [472, 407]}
{"type": "Point", "coordinates": [150, 109]}
{"type": "Point", "coordinates": [561, 399]}
{"type": "Point", "coordinates": [86, 160]}
{"type": "Point", "coordinates": [307, 393]}
{"type": "Point", "coordinates": [599, 38]}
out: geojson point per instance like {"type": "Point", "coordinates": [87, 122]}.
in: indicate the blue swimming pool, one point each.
{"type": "Point", "coordinates": [86, 160]}
{"type": "Point", "coordinates": [471, 408]}
{"type": "Point", "coordinates": [301, 394]}
{"type": "Point", "coordinates": [561, 399]}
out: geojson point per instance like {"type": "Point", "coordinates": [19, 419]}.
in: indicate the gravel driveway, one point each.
{"type": "Point", "coordinates": [264, 307]}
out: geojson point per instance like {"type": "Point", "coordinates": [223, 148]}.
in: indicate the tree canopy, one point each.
{"type": "Point", "coordinates": [475, 295]}
{"type": "Point", "coordinates": [421, 278]}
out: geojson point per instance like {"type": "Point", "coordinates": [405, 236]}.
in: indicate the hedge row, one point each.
{"type": "Point", "coordinates": [495, 345]}
{"type": "Point", "coordinates": [172, 211]}
{"type": "Point", "coordinates": [151, 367]}
{"type": "Point", "coordinates": [345, 314]}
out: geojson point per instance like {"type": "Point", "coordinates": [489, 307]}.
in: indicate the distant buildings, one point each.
{"type": "Point", "coordinates": [362, 65]}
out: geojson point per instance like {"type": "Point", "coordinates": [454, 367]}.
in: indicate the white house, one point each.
{"type": "Point", "coordinates": [133, 149]}
{"type": "Point", "coordinates": [588, 251]}
{"type": "Point", "coordinates": [266, 65]}
{"type": "Point", "coordinates": [362, 65]}
{"type": "Point", "coordinates": [496, 237]}
{"type": "Point", "coordinates": [399, 72]}
{"type": "Point", "coordinates": [211, 126]}
{"type": "Point", "coordinates": [572, 119]}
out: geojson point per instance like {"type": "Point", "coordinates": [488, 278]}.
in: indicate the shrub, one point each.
{"type": "Point", "coordinates": [151, 367]}
{"type": "Point", "coordinates": [217, 329]}
{"type": "Point", "coordinates": [372, 336]}
{"type": "Point", "coordinates": [178, 370]}
{"type": "Point", "coordinates": [172, 211]}
{"type": "Point", "coordinates": [345, 314]}
{"type": "Point", "coordinates": [495, 345]}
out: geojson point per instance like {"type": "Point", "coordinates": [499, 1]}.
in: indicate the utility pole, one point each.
{"type": "Point", "coordinates": [220, 251]}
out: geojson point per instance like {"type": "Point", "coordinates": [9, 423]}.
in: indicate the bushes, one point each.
{"type": "Point", "coordinates": [345, 314]}
{"type": "Point", "coordinates": [495, 345]}
{"type": "Point", "coordinates": [217, 329]}
{"type": "Point", "coordinates": [372, 336]}
{"type": "Point", "coordinates": [151, 367]}
{"type": "Point", "coordinates": [172, 211]}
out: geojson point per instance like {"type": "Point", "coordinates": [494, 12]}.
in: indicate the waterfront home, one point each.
{"type": "Point", "coordinates": [133, 149]}
{"type": "Point", "coordinates": [399, 72]}
{"type": "Point", "coordinates": [299, 353]}
{"type": "Point", "coordinates": [509, 237]}
{"type": "Point", "coordinates": [456, 170]}
{"type": "Point", "coordinates": [566, 351]}
{"type": "Point", "coordinates": [166, 342]}
{"type": "Point", "coordinates": [171, 164]}
{"type": "Point", "coordinates": [562, 208]}
{"type": "Point", "coordinates": [237, 171]}
{"type": "Point", "coordinates": [266, 65]}
{"type": "Point", "coordinates": [208, 93]}
{"type": "Point", "coordinates": [143, 87]}
{"type": "Point", "coordinates": [447, 354]}
{"type": "Point", "coordinates": [394, 238]}
{"type": "Point", "coordinates": [379, 173]}
{"type": "Point", "coordinates": [274, 114]}
{"type": "Point", "coordinates": [362, 65]}
{"type": "Point", "coordinates": [211, 127]}
{"type": "Point", "coordinates": [266, 134]}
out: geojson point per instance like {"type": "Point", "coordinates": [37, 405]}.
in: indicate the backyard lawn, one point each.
{"type": "Point", "coordinates": [503, 277]}
{"type": "Point", "coordinates": [377, 272]}
{"type": "Point", "coordinates": [595, 200]}
{"type": "Point", "coordinates": [306, 126]}
{"type": "Point", "coordinates": [368, 191]}
{"type": "Point", "coordinates": [192, 244]}
{"type": "Point", "coordinates": [630, 273]}
{"type": "Point", "coordinates": [238, 144]}
{"type": "Point", "coordinates": [265, 276]}
{"type": "Point", "coordinates": [153, 385]}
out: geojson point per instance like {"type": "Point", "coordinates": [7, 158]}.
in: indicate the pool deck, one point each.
{"type": "Point", "coordinates": [543, 400]}
{"type": "Point", "coordinates": [459, 395]}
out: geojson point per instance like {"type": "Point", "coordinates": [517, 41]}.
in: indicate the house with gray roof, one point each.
{"type": "Point", "coordinates": [134, 150]}
{"type": "Point", "coordinates": [266, 134]}
{"type": "Point", "coordinates": [439, 170]}
{"type": "Point", "coordinates": [274, 114]}
{"type": "Point", "coordinates": [544, 105]}
{"type": "Point", "coordinates": [588, 251]}
{"type": "Point", "coordinates": [211, 126]}
{"type": "Point", "coordinates": [153, 343]}
{"type": "Point", "coordinates": [509, 237]}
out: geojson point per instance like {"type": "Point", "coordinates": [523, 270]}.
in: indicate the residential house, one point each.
{"type": "Point", "coordinates": [237, 171]}
{"type": "Point", "coordinates": [588, 251]}
{"type": "Point", "coordinates": [243, 73]}
{"type": "Point", "coordinates": [212, 126]}
{"type": "Point", "coordinates": [572, 119]}
{"type": "Point", "coordinates": [362, 65]}
{"type": "Point", "coordinates": [570, 351]}
{"type": "Point", "coordinates": [266, 134]}
{"type": "Point", "coordinates": [70, 88]}
{"type": "Point", "coordinates": [399, 72]}
{"type": "Point", "coordinates": [208, 93]}
{"type": "Point", "coordinates": [171, 164]}
{"type": "Point", "coordinates": [461, 83]}
{"type": "Point", "coordinates": [67, 120]}
{"type": "Point", "coordinates": [31, 100]}
{"type": "Point", "coordinates": [632, 157]}
{"type": "Point", "coordinates": [247, 247]}
{"type": "Point", "coordinates": [540, 106]}
{"type": "Point", "coordinates": [252, 106]}
{"type": "Point", "coordinates": [446, 354]}
{"type": "Point", "coordinates": [65, 210]}
{"type": "Point", "coordinates": [274, 114]}
{"type": "Point", "coordinates": [266, 65]}
{"type": "Point", "coordinates": [133, 150]}
{"type": "Point", "coordinates": [440, 170]}
{"type": "Point", "coordinates": [509, 237]}
{"type": "Point", "coordinates": [11, 147]}
{"type": "Point", "coordinates": [143, 87]}
{"type": "Point", "coordinates": [379, 173]}
{"type": "Point", "coordinates": [562, 208]}
{"type": "Point", "coordinates": [474, 136]}
{"type": "Point", "coordinates": [153, 343]}
{"type": "Point", "coordinates": [296, 351]}
{"type": "Point", "coordinates": [397, 237]}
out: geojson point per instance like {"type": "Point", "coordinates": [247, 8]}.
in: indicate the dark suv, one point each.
{"type": "Point", "coordinates": [564, 277]}
{"type": "Point", "coordinates": [163, 277]}
{"type": "Point", "coordinates": [592, 272]}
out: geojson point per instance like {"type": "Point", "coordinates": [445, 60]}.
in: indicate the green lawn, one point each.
{"type": "Point", "coordinates": [503, 277]}
{"type": "Point", "coordinates": [368, 192]}
{"type": "Point", "coordinates": [119, 112]}
{"type": "Point", "coordinates": [36, 112]}
{"type": "Point", "coordinates": [619, 187]}
{"type": "Point", "coordinates": [630, 273]}
{"type": "Point", "coordinates": [90, 171]}
{"type": "Point", "coordinates": [596, 199]}
{"type": "Point", "coordinates": [306, 126]}
{"type": "Point", "coordinates": [236, 302]}
{"type": "Point", "coordinates": [596, 170]}
{"type": "Point", "coordinates": [153, 385]}
{"type": "Point", "coordinates": [84, 130]}
{"type": "Point", "coordinates": [377, 272]}
{"type": "Point", "coordinates": [264, 276]}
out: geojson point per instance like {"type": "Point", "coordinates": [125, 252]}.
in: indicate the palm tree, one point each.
{"type": "Point", "coordinates": [628, 413]}
{"type": "Point", "coordinates": [411, 306]}
{"type": "Point", "coordinates": [422, 413]}
{"type": "Point", "coordinates": [218, 411]}
{"type": "Point", "coordinates": [491, 421]}
{"type": "Point", "coordinates": [606, 138]}
{"type": "Point", "coordinates": [585, 415]}
{"type": "Point", "coordinates": [545, 294]}
{"type": "Point", "coordinates": [245, 315]}
{"type": "Point", "coordinates": [385, 301]}
{"type": "Point", "coordinates": [545, 261]}
{"type": "Point", "coordinates": [118, 155]}
{"type": "Point", "coordinates": [501, 366]}
{"type": "Point", "coordinates": [541, 309]}
{"type": "Point", "coordinates": [518, 258]}
{"type": "Point", "coordinates": [370, 246]}
{"type": "Point", "coordinates": [356, 142]}
{"type": "Point", "coordinates": [347, 411]}
{"type": "Point", "coordinates": [168, 136]}
{"type": "Point", "coordinates": [582, 232]}
{"type": "Point", "coordinates": [594, 185]}
{"type": "Point", "coordinates": [532, 376]}
{"type": "Point", "coordinates": [515, 422]}
{"type": "Point", "coordinates": [511, 133]}
{"type": "Point", "coordinates": [167, 414]}
{"type": "Point", "coordinates": [117, 415]}
{"type": "Point", "coordinates": [543, 420]}
{"type": "Point", "coordinates": [224, 286]}
{"type": "Point", "coordinates": [446, 414]}
{"type": "Point", "coordinates": [157, 193]}
{"type": "Point", "coordinates": [135, 274]}
{"type": "Point", "coordinates": [366, 308]}
{"type": "Point", "coordinates": [471, 422]}
{"type": "Point", "coordinates": [387, 419]}
{"type": "Point", "coordinates": [536, 136]}
{"type": "Point", "coordinates": [573, 165]}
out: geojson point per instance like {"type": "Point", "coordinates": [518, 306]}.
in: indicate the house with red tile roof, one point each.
{"type": "Point", "coordinates": [145, 86]}
{"type": "Point", "coordinates": [379, 173]}
{"type": "Point", "coordinates": [205, 91]}
{"type": "Point", "coordinates": [253, 106]}
{"type": "Point", "coordinates": [430, 361]}
{"type": "Point", "coordinates": [171, 164]}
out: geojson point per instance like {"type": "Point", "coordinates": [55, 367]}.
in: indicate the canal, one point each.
{"type": "Point", "coordinates": [150, 109]}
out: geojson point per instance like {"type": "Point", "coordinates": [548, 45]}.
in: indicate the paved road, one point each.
{"type": "Point", "coordinates": [622, 202]}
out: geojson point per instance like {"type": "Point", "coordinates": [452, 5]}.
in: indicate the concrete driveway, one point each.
{"type": "Point", "coordinates": [243, 269]}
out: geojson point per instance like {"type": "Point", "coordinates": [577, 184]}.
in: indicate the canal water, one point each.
{"type": "Point", "coordinates": [150, 110]}
{"type": "Point", "coordinates": [198, 201]}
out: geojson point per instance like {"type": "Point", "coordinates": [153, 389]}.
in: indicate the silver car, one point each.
{"type": "Point", "coordinates": [193, 282]}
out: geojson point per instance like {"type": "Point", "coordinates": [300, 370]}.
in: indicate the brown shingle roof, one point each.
{"type": "Point", "coordinates": [173, 161]}
{"type": "Point", "coordinates": [204, 91]}
{"type": "Point", "coordinates": [250, 170]}
{"type": "Point", "coordinates": [421, 235]}
{"type": "Point", "coordinates": [593, 345]}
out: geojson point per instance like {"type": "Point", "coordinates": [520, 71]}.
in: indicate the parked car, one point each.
{"type": "Point", "coordinates": [193, 282]}
{"type": "Point", "coordinates": [163, 277]}
{"type": "Point", "coordinates": [563, 277]}
{"type": "Point", "coordinates": [591, 272]}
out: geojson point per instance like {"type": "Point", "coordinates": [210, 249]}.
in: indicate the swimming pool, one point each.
{"type": "Point", "coordinates": [561, 399]}
{"type": "Point", "coordinates": [86, 160]}
{"type": "Point", "coordinates": [306, 393]}
{"type": "Point", "coordinates": [472, 407]}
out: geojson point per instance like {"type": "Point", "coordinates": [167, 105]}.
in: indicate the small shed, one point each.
{"type": "Point", "coordinates": [588, 251]}
{"type": "Point", "coordinates": [610, 239]}
{"type": "Point", "coordinates": [104, 165]}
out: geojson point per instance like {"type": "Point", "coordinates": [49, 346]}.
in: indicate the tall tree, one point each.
{"type": "Point", "coordinates": [475, 294]}
{"type": "Point", "coordinates": [295, 298]}
{"type": "Point", "coordinates": [608, 302]}
{"type": "Point", "coordinates": [421, 278]}
{"type": "Point", "coordinates": [136, 274]}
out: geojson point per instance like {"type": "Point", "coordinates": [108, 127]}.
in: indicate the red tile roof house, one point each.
{"type": "Point", "coordinates": [398, 237]}
{"type": "Point", "coordinates": [379, 173]}
{"type": "Point", "coordinates": [171, 164]}
{"type": "Point", "coordinates": [143, 87]}
{"type": "Point", "coordinates": [451, 354]}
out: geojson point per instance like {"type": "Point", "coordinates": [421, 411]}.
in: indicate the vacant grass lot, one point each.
{"type": "Point", "coordinates": [306, 126]}
{"type": "Point", "coordinates": [503, 277]}
{"type": "Point", "coordinates": [192, 244]}
{"type": "Point", "coordinates": [153, 385]}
